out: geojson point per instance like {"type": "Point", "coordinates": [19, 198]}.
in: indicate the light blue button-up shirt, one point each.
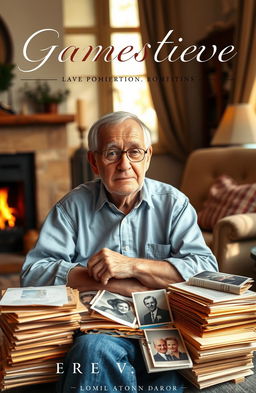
{"type": "Point", "coordinates": [162, 226]}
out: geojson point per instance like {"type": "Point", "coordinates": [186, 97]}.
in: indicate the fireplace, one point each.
{"type": "Point", "coordinates": [17, 199]}
{"type": "Point", "coordinates": [34, 183]}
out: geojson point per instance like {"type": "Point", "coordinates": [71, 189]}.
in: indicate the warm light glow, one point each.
{"type": "Point", "coordinates": [133, 96]}
{"type": "Point", "coordinates": [237, 126]}
{"type": "Point", "coordinates": [124, 13]}
{"type": "Point", "coordinates": [7, 219]}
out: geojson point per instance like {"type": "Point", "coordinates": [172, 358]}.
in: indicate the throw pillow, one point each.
{"type": "Point", "coordinates": [225, 198]}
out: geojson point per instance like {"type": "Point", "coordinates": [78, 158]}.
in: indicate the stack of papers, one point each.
{"type": "Point", "coordinates": [38, 325]}
{"type": "Point", "coordinates": [219, 331]}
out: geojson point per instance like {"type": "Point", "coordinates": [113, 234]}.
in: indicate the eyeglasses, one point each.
{"type": "Point", "coordinates": [115, 155]}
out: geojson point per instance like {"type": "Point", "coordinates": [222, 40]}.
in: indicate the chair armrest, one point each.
{"type": "Point", "coordinates": [236, 227]}
{"type": "Point", "coordinates": [233, 238]}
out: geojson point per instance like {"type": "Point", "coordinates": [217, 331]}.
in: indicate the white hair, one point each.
{"type": "Point", "coordinates": [115, 118]}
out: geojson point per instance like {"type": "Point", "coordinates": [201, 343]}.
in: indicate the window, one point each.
{"type": "Point", "coordinates": [123, 85]}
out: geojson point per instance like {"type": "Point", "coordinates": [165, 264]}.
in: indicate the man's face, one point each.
{"type": "Point", "coordinates": [122, 177]}
{"type": "Point", "coordinates": [151, 304]}
{"type": "Point", "coordinates": [172, 345]}
{"type": "Point", "coordinates": [160, 346]}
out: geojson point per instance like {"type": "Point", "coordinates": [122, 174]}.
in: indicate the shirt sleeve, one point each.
{"type": "Point", "coordinates": [52, 258]}
{"type": "Point", "coordinates": [190, 254]}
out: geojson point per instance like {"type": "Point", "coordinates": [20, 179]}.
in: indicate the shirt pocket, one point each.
{"type": "Point", "coordinates": [158, 251]}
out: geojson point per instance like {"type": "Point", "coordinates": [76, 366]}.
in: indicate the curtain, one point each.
{"type": "Point", "coordinates": [168, 95]}
{"type": "Point", "coordinates": [245, 67]}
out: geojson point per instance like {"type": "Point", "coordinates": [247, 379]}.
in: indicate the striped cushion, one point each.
{"type": "Point", "coordinates": [225, 198]}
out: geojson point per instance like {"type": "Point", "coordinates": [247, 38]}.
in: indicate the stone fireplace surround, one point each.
{"type": "Point", "coordinates": [44, 135]}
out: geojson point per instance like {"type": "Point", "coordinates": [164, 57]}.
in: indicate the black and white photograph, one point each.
{"type": "Point", "coordinates": [152, 308]}
{"type": "Point", "coordinates": [167, 348]}
{"type": "Point", "coordinates": [116, 307]}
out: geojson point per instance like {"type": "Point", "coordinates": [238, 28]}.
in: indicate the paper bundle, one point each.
{"type": "Point", "coordinates": [38, 324]}
{"type": "Point", "coordinates": [219, 332]}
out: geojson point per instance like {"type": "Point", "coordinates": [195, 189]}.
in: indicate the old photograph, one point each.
{"type": "Point", "coordinates": [152, 308]}
{"type": "Point", "coordinates": [167, 347]}
{"type": "Point", "coordinates": [116, 307]}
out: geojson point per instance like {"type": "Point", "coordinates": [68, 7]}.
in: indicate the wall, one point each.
{"type": "Point", "coordinates": [23, 18]}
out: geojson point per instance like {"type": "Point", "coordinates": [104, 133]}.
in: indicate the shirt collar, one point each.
{"type": "Point", "coordinates": [102, 198]}
{"type": "Point", "coordinates": [144, 196]}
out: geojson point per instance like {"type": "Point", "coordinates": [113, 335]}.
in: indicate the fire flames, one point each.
{"type": "Point", "coordinates": [7, 219]}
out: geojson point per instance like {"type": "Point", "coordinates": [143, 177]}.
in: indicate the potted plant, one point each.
{"type": "Point", "coordinates": [44, 98]}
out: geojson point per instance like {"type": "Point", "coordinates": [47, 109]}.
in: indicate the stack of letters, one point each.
{"type": "Point", "coordinates": [38, 325]}
{"type": "Point", "coordinates": [219, 332]}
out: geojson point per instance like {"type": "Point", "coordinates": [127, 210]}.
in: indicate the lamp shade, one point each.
{"type": "Point", "coordinates": [237, 126]}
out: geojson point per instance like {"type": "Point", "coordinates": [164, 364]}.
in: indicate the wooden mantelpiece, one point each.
{"type": "Point", "coordinates": [37, 118]}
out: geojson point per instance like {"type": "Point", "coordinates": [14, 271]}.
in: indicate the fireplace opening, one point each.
{"type": "Point", "coordinates": [17, 199]}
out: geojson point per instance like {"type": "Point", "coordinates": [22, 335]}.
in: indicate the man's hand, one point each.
{"type": "Point", "coordinates": [107, 264]}
{"type": "Point", "coordinates": [78, 277]}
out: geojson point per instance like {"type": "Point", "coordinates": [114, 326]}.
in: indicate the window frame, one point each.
{"type": "Point", "coordinates": [102, 31]}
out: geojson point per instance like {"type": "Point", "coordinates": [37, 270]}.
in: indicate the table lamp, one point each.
{"type": "Point", "coordinates": [237, 126]}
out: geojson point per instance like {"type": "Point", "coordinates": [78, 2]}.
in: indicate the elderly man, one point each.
{"type": "Point", "coordinates": [121, 232]}
{"type": "Point", "coordinates": [161, 350]}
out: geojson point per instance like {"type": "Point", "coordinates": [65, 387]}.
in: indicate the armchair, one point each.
{"type": "Point", "coordinates": [233, 236]}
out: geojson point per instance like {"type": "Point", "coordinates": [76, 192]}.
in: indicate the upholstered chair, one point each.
{"type": "Point", "coordinates": [231, 237]}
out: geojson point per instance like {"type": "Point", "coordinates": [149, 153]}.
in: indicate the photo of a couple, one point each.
{"type": "Point", "coordinates": [168, 349]}
{"type": "Point", "coordinates": [167, 346]}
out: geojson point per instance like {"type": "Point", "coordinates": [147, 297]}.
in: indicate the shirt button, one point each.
{"type": "Point", "coordinates": [126, 248]}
